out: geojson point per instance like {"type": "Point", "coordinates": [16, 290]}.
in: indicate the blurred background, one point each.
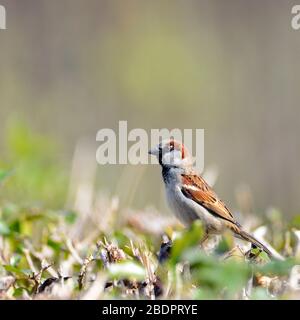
{"type": "Point", "coordinates": [69, 68]}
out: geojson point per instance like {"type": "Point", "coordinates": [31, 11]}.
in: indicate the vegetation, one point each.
{"type": "Point", "coordinates": [51, 249]}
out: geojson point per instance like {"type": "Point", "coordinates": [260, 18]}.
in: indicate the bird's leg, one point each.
{"type": "Point", "coordinates": [204, 238]}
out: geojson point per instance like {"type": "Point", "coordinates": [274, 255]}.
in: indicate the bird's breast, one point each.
{"type": "Point", "coordinates": [187, 210]}
{"type": "Point", "coordinates": [185, 213]}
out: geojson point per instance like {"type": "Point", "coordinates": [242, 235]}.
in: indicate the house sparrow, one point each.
{"type": "Point", "coordinates": [191, 198]}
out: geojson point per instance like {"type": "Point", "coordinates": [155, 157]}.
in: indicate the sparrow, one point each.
{"type": "Point", "coordinates": [190, 197]}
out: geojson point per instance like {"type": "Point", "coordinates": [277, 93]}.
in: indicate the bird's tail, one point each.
{"type": "Point", "coordinates": [248, 237]}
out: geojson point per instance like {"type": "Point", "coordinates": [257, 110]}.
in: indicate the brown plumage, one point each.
{"type": "Point", "coordinates": [204, 195]}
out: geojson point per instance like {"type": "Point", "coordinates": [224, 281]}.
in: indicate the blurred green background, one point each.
{"type": "Point", "coordinates": [69, 68]}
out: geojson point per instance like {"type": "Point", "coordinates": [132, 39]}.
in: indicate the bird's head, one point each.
{"type": "Point", "coordinates": [172, 153]}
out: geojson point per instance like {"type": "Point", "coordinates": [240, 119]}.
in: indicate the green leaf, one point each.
{"type": "Point", "coordinates": [18, 292]}
{"type": "Point", "coordinates": [56, 246]}
{"type": "Point", "coordinates": [215, 274]}
{"type": "Point", "coordinates": [198, 258]}
{"type": "Point", "coordinates": [4, 174]}
{"type": "Point", "coordinates": [15, 259]}
{"type": "Point", "coordinates": [277, 267]}
{"type": "Point", "coordinates": [260, 294]}
{"type": "Point", "coordinates": [186, 240]}
{"type": "Point", "coordinates": [70, 216]}
{"type": "Point", "coordinates": [15, 226]}
{"type": "Point", "coordinates": [264, 256]}
{"type": "Point", "coordinates": [127, 270]}
{"type": "Point", "coordinates": [259, 256]}
{"type": "Point", "coordinates": [21, 273]}
{"type": "Point", "coordinates": [296, 222]}
{"type": "Point", "coordinates": [4, 229]}
{"type": "Point", "coordinates": [18, 272]}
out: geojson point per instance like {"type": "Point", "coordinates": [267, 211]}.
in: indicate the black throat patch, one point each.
{"type": "Point", "coordinates": [165, 173]}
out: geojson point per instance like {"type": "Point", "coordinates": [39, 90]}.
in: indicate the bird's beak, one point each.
{"type": "Point", "coordinates": [154, 151]}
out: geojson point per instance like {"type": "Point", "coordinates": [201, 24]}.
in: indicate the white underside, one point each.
{"type": "Point", "coordinates": [187, 210]}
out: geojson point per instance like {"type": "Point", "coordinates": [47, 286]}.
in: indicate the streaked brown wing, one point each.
{"type": "Point", "coordinates": [195, 188]}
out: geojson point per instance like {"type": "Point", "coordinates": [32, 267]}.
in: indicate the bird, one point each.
{"type": "Point", "coordinates": [190, 197]}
